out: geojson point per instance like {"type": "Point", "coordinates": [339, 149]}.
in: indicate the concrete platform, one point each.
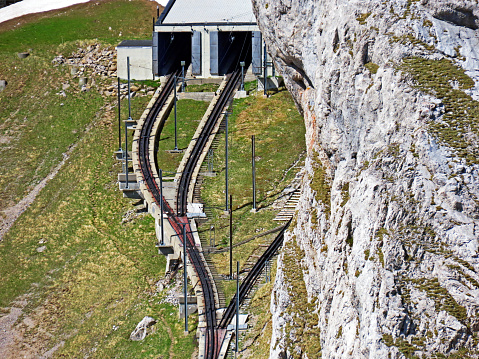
{"type": "Point", "coordinates": [197, 96]}
{"type": "Point", "coordinates": [272, 83]}
{"type": "Point", "coordinates": [191, 303]}
{"type": "Point", "coordinates": [130, 124]}
{"type": "Point", "coordinates": [122, 177]}
{"type": "Point", "coordinates": [132, 186]}
{"type": "Point", "coordinates": [120, 155]}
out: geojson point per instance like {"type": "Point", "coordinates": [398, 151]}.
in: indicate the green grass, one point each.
{"type": "Point", "coordinates": [189, 115]}
{"type": "Point", "coordinates": [39, 124]}
{"type": "Point", "coordinates": [442, 299]}
{"type": "Point", "coordinates": [36, 125]}
{"type": "Point", "coordinates": [460, 119]}
{"type": "Point", "coordinates": [96, 273]}
{"type": "Point", "coordinates": [320, 184]}
{"type": "Point", "coordinates": [362, 18]}
{"type": "Point", "coordinates": [280, 141]}
{"type": "Point", "coordinates": [87, 22]}
{"type": "Point", "coordinates": [372, 67]}
{"type": "Point", "coordinates": [202, 88]}
{"type": "Point", "coordinates": [259, 336]}
{"type": "Point", "coordinates": [302, 319]}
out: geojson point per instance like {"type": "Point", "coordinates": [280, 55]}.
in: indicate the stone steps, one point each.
{"type": "Point", "coordinates": [287, 212]}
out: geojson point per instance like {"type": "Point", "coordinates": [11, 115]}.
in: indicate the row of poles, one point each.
{"type": "Point", "coordinates": [125, 152]}
{"type": "Point", "coordinates": [230, 202]}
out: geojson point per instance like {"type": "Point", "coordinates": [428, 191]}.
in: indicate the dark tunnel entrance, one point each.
{"type": "Point", "coordinates": [169, 49]}
{"type": "Point", "coordinates": [228, 49]}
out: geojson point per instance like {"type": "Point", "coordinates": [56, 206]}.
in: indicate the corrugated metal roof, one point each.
{"type": "Point", "coordinates": [136, 43]}
{"type": "Point", "coordinates": [209, 12]}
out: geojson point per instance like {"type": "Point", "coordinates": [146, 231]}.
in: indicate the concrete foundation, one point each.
{"type": "Point", "coordinates": [272, 83]}
{"type": "Point", "coordinates": [198, 96]}
{"type": "Point", "coordinates": [192, 306]}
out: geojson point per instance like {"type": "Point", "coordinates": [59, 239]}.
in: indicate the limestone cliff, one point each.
{"type": "Point", "coordinates": [382, 257]}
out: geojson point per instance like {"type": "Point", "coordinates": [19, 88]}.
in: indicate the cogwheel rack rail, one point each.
{"type": "Point", "coordinates": [252, 276]}
{"type": "Point", "coordinates": [147, 164]}
{"type": "Point", "coordinates": [178, 219]}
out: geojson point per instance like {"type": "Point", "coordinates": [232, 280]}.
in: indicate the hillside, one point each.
{"type": "Point", "coordinates": [79, 267]}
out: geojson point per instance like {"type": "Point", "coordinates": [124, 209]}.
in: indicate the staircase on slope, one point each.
{"type": "Point", "coordinates": [289, 208]}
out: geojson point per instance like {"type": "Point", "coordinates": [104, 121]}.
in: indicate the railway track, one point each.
{"type": "Point", "coordinates": [184, 182]}
{"type": "Point", "coordinates": [179, 219]}
{"type": "Point", "coordinates": [252, 276]}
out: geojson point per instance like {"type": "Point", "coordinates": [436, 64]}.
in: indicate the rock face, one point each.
{"type": "Point", "coordinates": [382, 258]}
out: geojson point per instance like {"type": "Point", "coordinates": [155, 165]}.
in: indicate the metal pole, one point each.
{"type": "Point", "coordinates": [129, 96]}
{"type": "Point", "coordinates": [226, 157]}
{"type": "Point", "coordinates": [237, 307]}
{"type": "Point", "coordinates": [126, 124]}
{"type": "Point", "coordinates": [183, 76]}
{"type": "Point", "coordinates": [185, 279]}
{"type": "Point", "coordinates": [242, 64]}
{"type": "Point", "coordinates": [126, 157]}
{"type": "Point", "coordinates": [266, 272]}
{"type": "Point", "coordinates": [176, 139]}
{"type": "Point", "coordinates": [210, 160]}
{"type": "Point", "coordinates": [211, 238]}
{"type": "Point", "coordinates": [161, 209]}
{"type": "Point", "coordinates": [231, 236]}
{"type": "Point", "coordinates": [265, 68]}
{"type": "Point", "coordinates": [253, 164]}
{"type": "Point", "coordinates": [119, 116]}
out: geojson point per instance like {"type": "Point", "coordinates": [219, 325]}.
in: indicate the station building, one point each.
{"type": "Point", "coordinates": [213, 36]}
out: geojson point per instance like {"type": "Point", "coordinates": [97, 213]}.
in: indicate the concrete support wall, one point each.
{"type": "Point", "coordinates": [141, 63]}
{"type": "Point", "coordinates": [205, 46]}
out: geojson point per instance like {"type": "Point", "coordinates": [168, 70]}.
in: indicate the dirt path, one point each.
{"type": "Point", "coordinates": [172, 338]}
{"type": "Point", "coordinates": [12, 213]}
{"type": "Point", "coordinates": [8, 334]}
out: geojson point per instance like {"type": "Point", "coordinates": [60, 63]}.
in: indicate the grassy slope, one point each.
{"type": "Point", "coordinates": [88, 250]}
{"type": "Point", "coordinates": [95, 280]}
{"type": "Point", "coordinates": [277, 148]}
{"type": "Point", "coordinates": [189, 114]}
{"type": "Point", "coordinates": [35, 127]}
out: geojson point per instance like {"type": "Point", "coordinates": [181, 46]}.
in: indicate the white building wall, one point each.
{"type": "Point", "coordinates": [141, 63]}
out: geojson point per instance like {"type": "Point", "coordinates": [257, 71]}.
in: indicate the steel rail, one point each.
{"type": "Point", "coordinates": [177, 221]}
{"type": "Point", "coordinates": [212, 345]}
{"type": "Point", "coordinates": [146, 164]}
{"type": "Point", "coordinates": [184, 182]}
{"type": "Point", "coordinates": [252, 276]}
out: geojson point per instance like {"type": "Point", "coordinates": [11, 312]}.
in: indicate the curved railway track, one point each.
{"type": "Point", "coordinates": [225, 96]}
{"type": "Point", "coordinates": [178, 221]}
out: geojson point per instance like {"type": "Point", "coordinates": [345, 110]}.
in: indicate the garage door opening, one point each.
{"type": "Point", "coordinates": [228, 50]}
{"type": "Point", "coordinates": [169, 49]}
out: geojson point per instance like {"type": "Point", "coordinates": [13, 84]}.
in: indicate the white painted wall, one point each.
{"type": "Point", "coordinates": [141, 64]}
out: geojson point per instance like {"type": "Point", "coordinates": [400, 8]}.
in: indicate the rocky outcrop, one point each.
{"type": "Point", "coordinates": [99, 62]}
{"type": "Point", "coordinates": [141, 329]}
{"type": "Point", "coordinates": [382, 259]}
{"type": "Point", "coordinates": [92, 59]}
